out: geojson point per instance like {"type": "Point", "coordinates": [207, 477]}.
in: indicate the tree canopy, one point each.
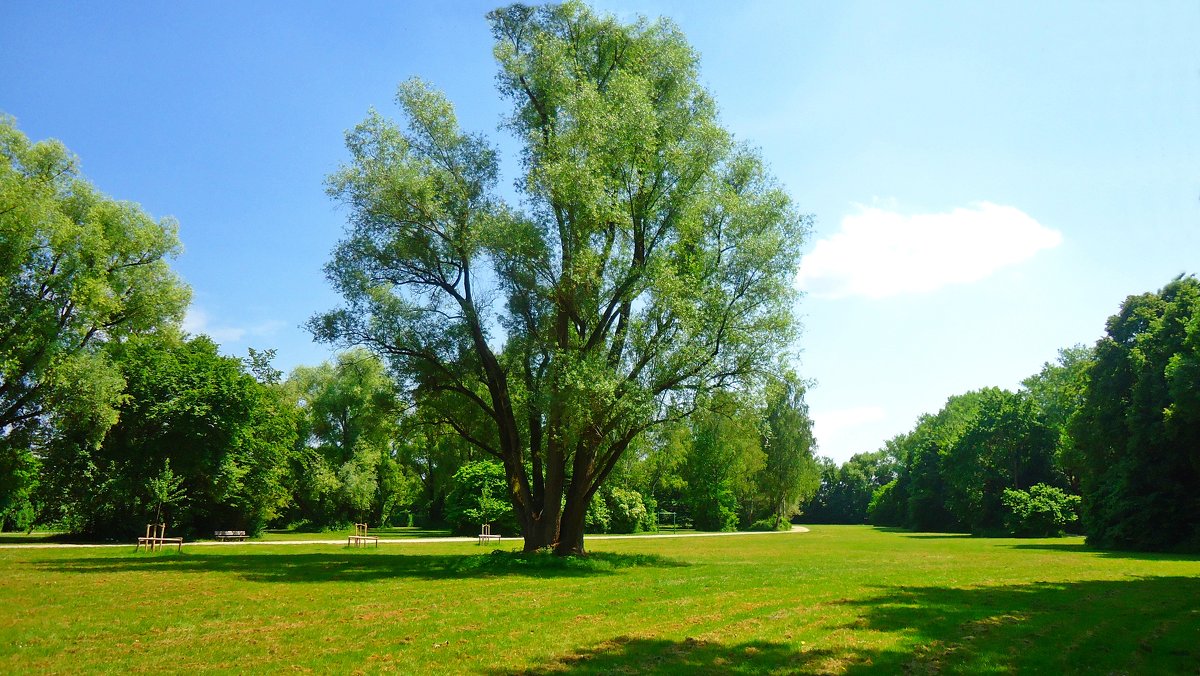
{"type": "Point", "coordinates": [1138, 427]}
{"type": "Point", "coordinates": [650, 262]}
{"type": "Point", "coordinates": [77, 270]}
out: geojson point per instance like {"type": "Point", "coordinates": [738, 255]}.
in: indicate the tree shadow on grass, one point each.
{"type": "Point", "coordinates": [362, 566]}
{"type": "Point", "coordinates": [625, 655]}
{"type": "Point", "coordinates": [1142, 626]}
{"type": "Point", "coordinates": [1081, 548]}
{"type": "Point", "coordinates": [922, 535]}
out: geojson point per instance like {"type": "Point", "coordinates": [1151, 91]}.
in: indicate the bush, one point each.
{"type": "Point", "coordinates": [479, 496]}
{"type": "Point", "coordinates": [1042, 511]}
{"type": "Point", "coordinates": [598, 519]}
{"type": "Point", "coordinates": [629, 512]}
{"type": "Point", "coordinates": [771, 523]}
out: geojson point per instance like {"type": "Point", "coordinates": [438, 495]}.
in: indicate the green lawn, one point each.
{"type": "Point", "coordinates": [837, 599]}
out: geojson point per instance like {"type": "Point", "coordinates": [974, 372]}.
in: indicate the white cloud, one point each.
{"type": "Point", "coordinates": [879, 253]}
{"type": "Point", "coordinates": [197, 321]}
{"type": "Point", "coordinates": [828, 424]}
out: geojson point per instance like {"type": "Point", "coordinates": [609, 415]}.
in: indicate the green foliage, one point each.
{"type": "Point", "coordinates": [599, 519]}
{"type": "Point", "coordinates": [1138, 428]}
{"type": "Point", "coordinates": [19, 471]}
{"type": "Point", "coordinates": [225, 434]}
{"type": "Point", "coordinates": [351, 465]}
{"type": "Point", "coordinates": [790, 475]}
{"type": "Point", "coordinates": [724, 457]}
{"type": "Point", "coordinates": [477, 497]}
{"type": "Point", "coordinates": [1042, 511]}
{"type": "Point", "coordinates": [769, 524]}
{"type": "Point", "coordinates": [1005, 444]}
{"type": "Point", "coordinates": [650, 264]}
{"type": "Point", "coordinates": [889, 504]}
{"type": "Point", "coordinates": [846, 492]}
{"type": "Point", "coordinates": [77, 270]}
{"type": "Point", "coordinates": [166, 491]}
{"type": "Point", "coordinates": [955, 465]}
{"type": "Point", "coordinates": [628, 512]}
{"type": "Point", "coordinates": [1059, 392]}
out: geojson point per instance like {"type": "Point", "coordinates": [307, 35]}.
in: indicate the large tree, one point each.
{"type": "Point", "coordinates": [188, 412]}
{"type": "Point", "coordinates": [651, 261]}
{"type": "Point", "coordinates": [1006, 444]}
{"type": "Point", "coordinates": [1138, 428]}
{"type": "Point", "coordinates": [1059, 391]}
{"type": "Point", "coordinates": [77, 270]}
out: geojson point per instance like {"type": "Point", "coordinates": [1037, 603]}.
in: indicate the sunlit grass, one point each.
{"type": "Point", "coordinates": [838, 599]}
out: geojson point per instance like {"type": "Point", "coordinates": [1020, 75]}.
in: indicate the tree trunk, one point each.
{"type": "Point", "coordinates": [570, 530]}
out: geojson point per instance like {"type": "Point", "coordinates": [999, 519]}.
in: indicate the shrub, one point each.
{"type": "Point", "coordinates": [629, 512]}
{"type": "Point", "coordinates": [771, 523]}
{"type": "Point", "coordinates": [598, 519]}
{"type": "Point", "coordinates": [1042, 511]}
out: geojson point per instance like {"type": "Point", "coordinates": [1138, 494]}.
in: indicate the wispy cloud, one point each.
{"type": "Point", "coordinates": [197, 321]}
{"type": "Point", "coordinates": [879, 253]}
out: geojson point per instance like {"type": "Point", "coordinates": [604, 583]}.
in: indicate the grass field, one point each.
{"type": "Point", "coordinates": [835, 600]}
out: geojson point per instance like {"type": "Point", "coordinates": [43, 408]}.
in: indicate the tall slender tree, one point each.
{"type": "Point", "coordinates": [791, 475]}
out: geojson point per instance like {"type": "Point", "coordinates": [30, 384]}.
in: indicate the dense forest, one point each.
{"type": "Point", "coordinates": [1105, 441]}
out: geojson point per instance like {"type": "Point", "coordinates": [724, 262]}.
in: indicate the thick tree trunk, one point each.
{"type": "Point", "coordinates": [570, 530]}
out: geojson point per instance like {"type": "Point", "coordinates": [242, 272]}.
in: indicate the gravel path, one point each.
{"type": "Point", "coordinates": [402, 541]}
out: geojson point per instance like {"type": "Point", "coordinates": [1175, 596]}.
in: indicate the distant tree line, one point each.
{"type": "Point", "coordinates": [1105, 441]}
{"type": "Point", "coordinates": [111, 416]}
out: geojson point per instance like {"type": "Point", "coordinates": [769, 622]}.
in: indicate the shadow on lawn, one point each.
{"type": "Point", "coordinates": [1142, 625]}
{"type": "Point", "coordinates": [624, 655]}
{"type": "Point", "coordinates": [922, 535]}
{"type": "Point", "coordinates": [1080, 548]}
{"type": "Point", "coordinates": [363, 566]}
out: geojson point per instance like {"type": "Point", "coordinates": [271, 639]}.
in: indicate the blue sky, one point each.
{"type": "Point", "coordinates": [989, 180]}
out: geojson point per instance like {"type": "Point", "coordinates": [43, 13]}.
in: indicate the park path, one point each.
{"type": "Point", "coordinates": [399, 541]}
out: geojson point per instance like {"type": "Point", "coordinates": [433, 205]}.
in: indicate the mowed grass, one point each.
{"type": "Point", "coordinates": [835, 600]}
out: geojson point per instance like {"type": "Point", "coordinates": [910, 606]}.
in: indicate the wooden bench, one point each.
{"type": "Point", "coordinates": [360, 536]}
{"type": "Point", "coordinates": [227, 535]}
{"type": "Point", "coordinates": [155, 538]}
{"type": "Point", "coordinates": [486, 534]}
